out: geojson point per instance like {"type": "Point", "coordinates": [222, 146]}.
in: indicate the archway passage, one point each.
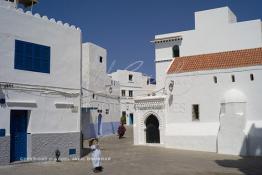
{"type": "Point", "coordinates": [152, 130]}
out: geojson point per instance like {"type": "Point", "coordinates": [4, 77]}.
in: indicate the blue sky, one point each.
{"type": "Point", "coordinates": [126, 27]}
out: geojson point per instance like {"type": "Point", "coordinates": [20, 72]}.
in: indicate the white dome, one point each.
{"type": "Point", "coordinates": [234, 95]}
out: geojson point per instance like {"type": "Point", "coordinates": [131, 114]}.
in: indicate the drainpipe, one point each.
{"type": "Point", "coordinates": [218, 129]}
{"type": "Point", "coordinates": [81, 93]}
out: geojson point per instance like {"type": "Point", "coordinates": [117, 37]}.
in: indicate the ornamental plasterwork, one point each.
{"type": "Point", "coordinates": [152, 104]}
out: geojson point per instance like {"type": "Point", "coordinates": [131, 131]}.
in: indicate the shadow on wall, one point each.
{"type": "Point", "coordinates": [170, 100]}
{"type": "Point", "coordinates": [254, 141]}
{"type": "Point", "coordinates": [248, 165]}
{"type": "Point", "coordinates": [113, 128]}
{"type": "Point", "coordinates": [86, 121]}
{"type": "Point", "coordinates": [88, 128]}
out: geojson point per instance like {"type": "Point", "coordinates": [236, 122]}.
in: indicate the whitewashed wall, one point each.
{"type": "Point", "coordinates": [216, 30]}
{"type": "Point", "coordinates": [138, 85]}
{"type": "Point", "coordinates": [6, 4]}
{"type": "Point", "coordinates": [96, 93]}
{"type": "Point", "coordinates": [65, 44]}
{"type": "Point", "coordinates": [155, 105]}
{"type": "Point", "coordinates": [199, 88]}
{"type": "Point", "coordinates": [94, 76]}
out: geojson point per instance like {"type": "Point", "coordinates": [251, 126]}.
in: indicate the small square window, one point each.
{"type": "Point", "coordinates": [123, 92]}
{"type": "Point", "coordinates": [130, 93]}
{"type": "Point", "coordinates": [107, 111]}
{"type": "Point", "coordinates": [130, 77]}
{"type": "Point", "coordinates": [2, 101]}
{"type": "Point", "coordinates": [252, 77]}
{"type": "Point", "coordinates": [72, 151]}
{"type": "Point", "coordinates": [195, 112]}
{"type": "Point", "coordinates": [215, 79]}
{"type": "Point", "coordinates": [101, 59]}
{"type": "Point", "coordinates": [233, 78]}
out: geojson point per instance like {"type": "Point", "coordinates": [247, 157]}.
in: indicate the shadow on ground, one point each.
{"type": "Point", "coordinates": [125, 158]}
{"type": "Point", "coordinates": [246, 165]}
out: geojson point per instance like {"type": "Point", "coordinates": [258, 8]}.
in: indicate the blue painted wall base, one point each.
{"type": "Point", "coordinates": [108, 128]}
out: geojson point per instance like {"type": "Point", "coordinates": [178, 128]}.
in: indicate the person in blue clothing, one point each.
{"type": "Point", "coordinates": [95, 155]}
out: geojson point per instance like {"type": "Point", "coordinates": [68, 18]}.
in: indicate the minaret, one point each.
{"type": "Point", "coordinates": [166, 49]}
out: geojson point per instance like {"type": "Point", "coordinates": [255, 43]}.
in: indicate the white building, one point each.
{"type": "Point", "coordinates": [132, 84]}
{"type": "Point", "coordinates": [216, 30]}
{"type": "Point", "coordinates": [100, 102]}
{"type": "Point", "coordinates": [39, 96]}
{"type": "Point", "coordinates": [210, 79]}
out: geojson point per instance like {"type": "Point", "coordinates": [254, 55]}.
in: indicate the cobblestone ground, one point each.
{"type": "Point", "coordinates": [127, 159]}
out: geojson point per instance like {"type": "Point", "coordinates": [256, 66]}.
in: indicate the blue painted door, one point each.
{"type": "Point", "coordinates": [99, 125]}
{"type": "Point", "coordinates": [18, 131]}
{"type": "Point", "coordinates": [131, 119]}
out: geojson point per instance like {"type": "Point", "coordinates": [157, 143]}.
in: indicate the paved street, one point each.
{"type": "Point", "coordinates": [141, 160]}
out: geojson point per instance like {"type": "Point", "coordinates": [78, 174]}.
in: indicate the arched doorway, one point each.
{"type": "Point", "coordinates": [152, 129]}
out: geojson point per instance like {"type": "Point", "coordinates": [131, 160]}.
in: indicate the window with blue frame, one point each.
{"type": "Point", "coordinates": [32, 57]}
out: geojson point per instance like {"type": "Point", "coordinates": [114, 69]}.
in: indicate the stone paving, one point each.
{"type": "Point", "coordinates": [127, 159]}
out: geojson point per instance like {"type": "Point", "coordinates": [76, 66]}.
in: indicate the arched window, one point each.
{"type": "Point", "coordinates": [175, 50]}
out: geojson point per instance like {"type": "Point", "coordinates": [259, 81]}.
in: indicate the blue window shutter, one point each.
{"type": "Point", "coordinates": [72, 151]}
{"type": "Point", "coordinates": [28, 63]}
{"type": "Point", "coordinates": [18, 61]}
{"type": "Point", "coordinates": [2, 132]}
{"type": "Point", "coordinates": [32, 57]}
